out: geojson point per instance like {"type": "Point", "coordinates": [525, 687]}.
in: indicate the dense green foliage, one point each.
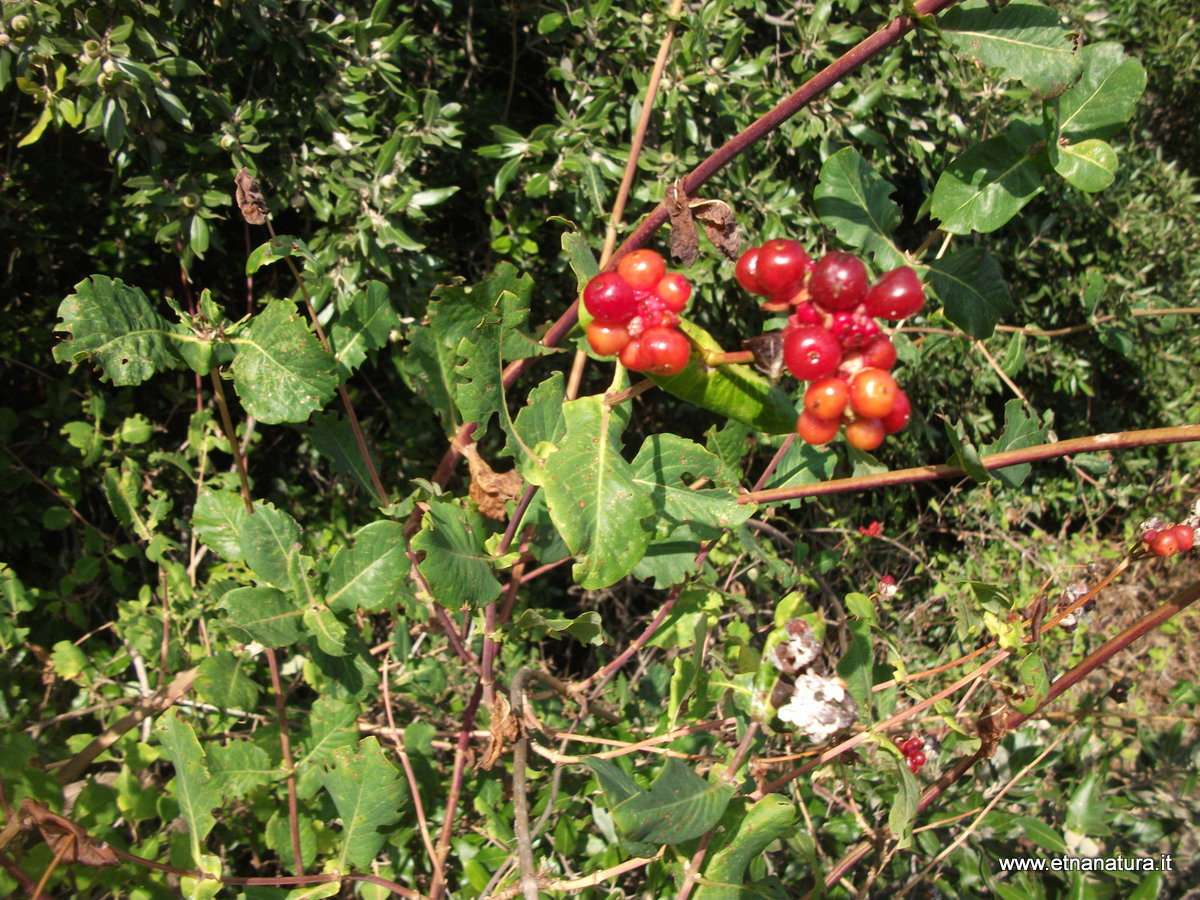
{"type": "Point", "coordinates": [440, 175]}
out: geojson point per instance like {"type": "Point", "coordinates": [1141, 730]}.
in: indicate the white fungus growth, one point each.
{"type": "Point", "coordinates": [820, 707]}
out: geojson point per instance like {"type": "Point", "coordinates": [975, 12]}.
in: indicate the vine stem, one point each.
{"type": "Point", "coordinates": [456, 782]}
{"type": "Point", "coordinates": [805, 94]}
{"type": "Point", "coordinates": [230, 435]}
{"type": "Point", "coordinates": [285, 749]}
{"type": "Point", "coordinates": [1095, 443]}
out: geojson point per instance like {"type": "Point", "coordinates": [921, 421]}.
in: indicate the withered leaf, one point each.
{"type": "Point", "coordinates": [490, 490]}
{"type": "Point", "coordinates": [70, 843]}
{"type": "Point", "coordinates": [720, 226]}
{"type": "Point", "coordinates": [768, 353]}
{"type": "Point", "coordinates": [685, 241]}
{"type": "Point", "coordinates": [250, 199]}
{"type": "Point", "coordinates": [504, 727]}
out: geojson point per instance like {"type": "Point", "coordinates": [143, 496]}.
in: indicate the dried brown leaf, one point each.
{"type": "Point", "coordinates": [685, 241]}
{"type": "Point", "coordinates": [768, 353]}
{"type": "Point", "coordinates": [720, 226]}
{"type": "Point", "coordinates": [504, 727]}
{"type": "Point", "coordinates": [491, 490]}
{"type": "Point", "coordinates": [250, 199]}
{"type": "Point", "coordinates": [70, 843]}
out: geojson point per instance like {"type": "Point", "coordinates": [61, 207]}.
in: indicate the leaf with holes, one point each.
{"type": "Point", "coordinates": [366, 790]}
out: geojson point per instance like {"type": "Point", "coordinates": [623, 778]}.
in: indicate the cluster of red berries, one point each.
{"type": "Point", "coordinates": [913, 750]}
{"type": "Point", "coordinates": [832, 338]}
{"type": "Point", "coordinates": [1167, 540]}
{"type": "Point", "coordinates": [635, 314]}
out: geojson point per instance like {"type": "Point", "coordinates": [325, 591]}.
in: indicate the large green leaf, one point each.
{"type": "Point", "coordinates": [771, 818]}
{"type": "Point", "coordinates": [853, 200]}
{"type": "Point", "coordinates": [456, 565]}
{"type": "Point", "coordinates": [972, 289]}
{"type": "Point", "coordinates": [334, 438]}
{"type": "Point", "coordinates": [217, 521]}
{"type": "Point", "coordinates": [679, 805]}
{"type": "Point", "coordinates": [593, 499]}
{"type": "Point", "coordinates": [1021, 430]}
{"type": "Point", "coordinates": [239, 767]}
{"type": "Point", "coordinates": [904, 806]}
{"type": "Point", "coordinates": [222, 681]}
{"type": "Point", "coordinates": [1090, 165]}
{"type": "Point", "coordinates": [734, 392]}
{"type": "Point", "coordinates": [991, 182]}
{"type": "Point", "coordinates": [281, 247]}
{"type": "Point", "coordinates": [372, 573]}
{"type": "Point", "coordinates": [328, 727]}
{"type": "Point", "coordinates": [366, 790]}
{"type": "Point", "coordinates": [1024, 38]}
{"type": "Point", "coordinates": [366, 323]}
{"type": "Point", "coordinates": [196, 791]}
{"type": "Point", "coordinates": [281, 371]}
{"type": "Point", "coordinates": [1107, 93]}
{"type": "Point", "coordinates": [270, 542]}
{"type": "Point", "coordinates": [114, 325]}
{"type": "Point", "coordinates": [667, 465]}
{"type": "Point", "coordinates": [540, 420]}
{"type": "Point", "coordinates": [263, 614]}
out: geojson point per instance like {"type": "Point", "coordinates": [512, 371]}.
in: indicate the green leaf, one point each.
{"type": "Point", "coordinates": [456, 566]}
{"type": "Point", "coordinates": [270, 542]}
{"type": "Point", "coordinates": [1090, 165]}
{"type": "Point", "coordinates": [665, 467]}
{"type": "Point", "coordinates": [281, 371]}
{"type": "Point", "coordinates": [365, 324]}
{"type": "Point", "coordinates": [46, 117]}
{"type": "Point", "coordinates": [855, 202]}
{"type": "Point", "coordinates": [679, 806]}
{"type": "Point", "coordinates": [366, 791]}
{"type": "Point", "coordinates": [263, 614]}
{"type": "Point", "coordinates": [972, 289]}
{"type": "Point", "coordinates": [904, 806]}
{"type": "Point", "coordinates": [540, 420]}
{"type": "Point", "coordinates": [1105, 97]}
{"type": "Point", "coordinates": [857, 664]}
{"type": "Point", "coordinates": [1040, 833]}
{"type": "Point", "coordinates": [1087, 809]}
{"type": "Point", "coordinates": [1021, 430]}
{"type": "Point", "coordinates": [734, 392]}
{"type": "Point", "coordinates": [1025, 39]}
{"type": "Point", "coordinates": [991, 182]}
{"type": "Point", "coordinates": [770, 819]}
{"type": "Point", "coordinates": [802, 464]}
{"type": "Point", "coordinates": [330, 633]}
{"type": "Point", "coordinates": [196, 792]}
{"type": "Point", "coordinates": [333, 438]}
{"type": "Point", "coordinates": [582, 260]}
{"type": "Point", "coordinates": [593, 499]}
{"type": "Point", "coordinates": [587, 628]}
{"type": "Point", "coordinates": [222, 681]}
{"type": "Point", "coordinates": [371, 574]}
{"type": "Point", "coordinates": [114, 325]}
{"type": "Point", "coordinates": [239, 767]}
{"type": "Point", "coordinates": [217, 521]}
{"type": "Point", "coordinates": [281, 247]}
{"type": "Point", "coordinates": [965, 456]}
{"type": "Point", "coordinates": [328, 727]}
{"type": "Point", "coordinates": [670, 558]}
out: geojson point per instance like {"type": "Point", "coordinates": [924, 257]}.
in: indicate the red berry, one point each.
{"type": "Point", "coordinates": [897, 295]}
{"type": "Point", "coordinates": [674, 290]}
{"type": "Point", "coordinates": [1165, 543]}
{"type": "Point", "coordinates": [781, 268]}
{"type": "Point", "coordinates": [865, 434]}
{"type": "Point", "coordinates": [879, 353]}
{"type": "Point", "coordinates": [816, 431]}
{"type": "Point", "coordinates": [826, 398]}
{"type": "Point", "coordinates": [900, 414]}
{"type": "Point", "coordinates": [805, 314]}
{"type": "Point", "coordinates": [746, 272]}
{"type": "Point", "coordinates": [607, 338]}
{"type": "Point", "coordinates": [664, 351]}
{"type": "Point", "coordinates": [913, 766]}
{"type": "Point", "coordinates": [643, 269]}
{"type": "Point", "coordinates": [608, 296]}
{"type": "Point", "coordinates": [839, 281]}
{"type": "Point", "coordinates": [631, 355]}
{"type": "Point", "coordinates": [810, 352]}
{"type": "Point", "coordinates": [912, 745]}
{"type": "Point", "coordinates": [873, 393]}
{"type": "Point", "coordinates": [917, 757]}
{"type": "Point", "coordinates": [1185, 537]}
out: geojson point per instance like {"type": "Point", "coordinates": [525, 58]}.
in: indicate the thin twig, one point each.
{"type": "Point", "coordinates": [230, 435]}
{"type": "Point", "coordinates": [285, 748]}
